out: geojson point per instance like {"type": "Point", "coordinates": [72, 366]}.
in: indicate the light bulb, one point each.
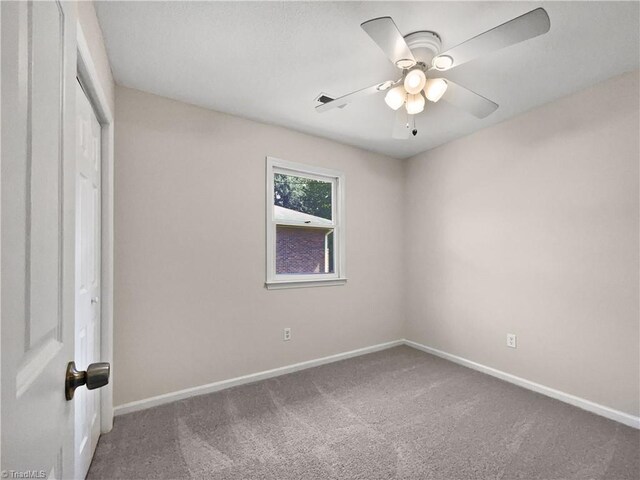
{"type": "Point", "coordinates": [435, 88]}
{"type": "Point", "coordinates": [395, 97]}
{"type": "Point", "coordinates": [414, 81]}
{"type": "Point", "coordinates": [415, 104]}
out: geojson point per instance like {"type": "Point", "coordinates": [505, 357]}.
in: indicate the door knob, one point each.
{"type": "Point", "coordinates": [95, 300]}
{"type": "Point", "coordinates": [96, 376]}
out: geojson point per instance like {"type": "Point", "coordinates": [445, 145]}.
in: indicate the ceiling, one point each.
{"type": "Point", "coordinates": [268, 61]}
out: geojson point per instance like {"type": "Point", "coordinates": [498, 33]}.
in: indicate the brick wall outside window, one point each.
{"type": "Point", "coordinates": [300, 250]}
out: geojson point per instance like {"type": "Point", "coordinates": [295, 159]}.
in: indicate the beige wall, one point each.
{"type": "Point", "coordinates": [190, 305]}
{"type": "Point", "coordinates": [93, 34]}
{"type": "Point", "coordinates": [528, 227]}
{"type": "Point", "coordinates": [531, 227]}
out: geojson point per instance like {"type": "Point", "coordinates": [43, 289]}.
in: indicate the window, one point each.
{"type": "Point", "coordinates": [305, 225]}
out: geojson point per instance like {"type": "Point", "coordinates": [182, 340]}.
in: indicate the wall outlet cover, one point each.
{"type": "Point", "coordinates": [511, 340]}
{"type": "Point", "coordinates": [286, 334]}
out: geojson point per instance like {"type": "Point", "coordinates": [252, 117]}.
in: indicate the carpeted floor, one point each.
{"type": "Point", "coordinates": [395, 414]}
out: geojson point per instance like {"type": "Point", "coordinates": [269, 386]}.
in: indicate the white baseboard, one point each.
{"type": "Point", "coordinates": [254, 377]}
{"type": "Point", "coordinates": [582, 403]}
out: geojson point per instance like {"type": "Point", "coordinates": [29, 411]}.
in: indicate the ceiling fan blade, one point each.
{"type": "Point", "coordinates": [402, 125]}
{"type": "Point", "coordinates": [384, 32]}
{"type": "Point", "coordinates": [467, 100]}
{"type": "Point", "coordinates": [531, 24]}
{"type": "Point", "coordinates": [350, 97]}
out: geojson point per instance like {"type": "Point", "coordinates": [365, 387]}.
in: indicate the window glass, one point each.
{"type": "Point", "coordinates": [298, 197]}
{"type": "Point", "coordinates": [304, 250]}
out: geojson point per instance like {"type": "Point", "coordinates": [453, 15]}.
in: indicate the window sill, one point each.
{"type": "Point", "coordinates": [282, 284]}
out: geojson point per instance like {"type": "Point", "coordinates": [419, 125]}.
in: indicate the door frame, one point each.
{"type": "Point", "coordinates": [0, 211]}
{"type": "Point", "coordinates": [90, 81]}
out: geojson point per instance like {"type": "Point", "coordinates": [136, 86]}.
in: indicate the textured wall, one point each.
{"type": "Point", "coordinates": [190, 303]}
{"type": "Point", "coordinates": [531, 227]}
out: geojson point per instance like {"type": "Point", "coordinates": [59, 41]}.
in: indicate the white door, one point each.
{"type": "Point", "coordinates": [37, 236]}
{"type": "Point", "coordinates": [87, 344]}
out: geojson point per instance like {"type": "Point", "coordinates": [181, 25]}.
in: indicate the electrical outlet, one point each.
{"type": "Point", "coordinates": [511, 340]}
{"type": "Point", "coordinates": [287, 334]}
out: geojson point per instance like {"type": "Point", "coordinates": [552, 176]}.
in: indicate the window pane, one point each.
{"type": "Point", "coordinates": [303, 250]}
{"type": "Point", "coordinates": [303, 199]}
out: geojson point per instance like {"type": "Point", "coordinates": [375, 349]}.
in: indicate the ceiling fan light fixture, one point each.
{"type": "Point", "coordinates": [395, 97]}
{"type": "Point", "coordinates": [405, 63]}
{"type": "Point", "coordinates": [414, 81]}
{"type": "Point", "coordinates": [443, 62]}
{"type": "Point", "coordinates": [415, 104]}
{"type": "Point", "coordinates": [435, 89]}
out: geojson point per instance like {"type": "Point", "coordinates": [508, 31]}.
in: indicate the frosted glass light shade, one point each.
{"type": "Point", "coordinates": [442, 62]}
{"type": "Point", "coordinates": [415, 104]}
{"type": "Point", "coordinates": [415, 81]}
{"type": "Point", "coordinates": [395, 97]}
{"type": "Point", "coordinates": [435, 88]}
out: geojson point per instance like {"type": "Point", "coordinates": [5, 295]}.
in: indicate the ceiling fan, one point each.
{"type": "Point", "coordinates": [418, 56]}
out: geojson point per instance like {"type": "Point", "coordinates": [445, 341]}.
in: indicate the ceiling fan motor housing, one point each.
{"type": "Point", "coordinates": [424, 45]}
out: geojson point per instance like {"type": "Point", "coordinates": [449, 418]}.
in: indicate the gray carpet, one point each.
{"type": "Point", "coordinates": [395, 414]}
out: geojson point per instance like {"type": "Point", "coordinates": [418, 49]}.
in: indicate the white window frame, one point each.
{"type": "Point", "coordinates": [337, 179]}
